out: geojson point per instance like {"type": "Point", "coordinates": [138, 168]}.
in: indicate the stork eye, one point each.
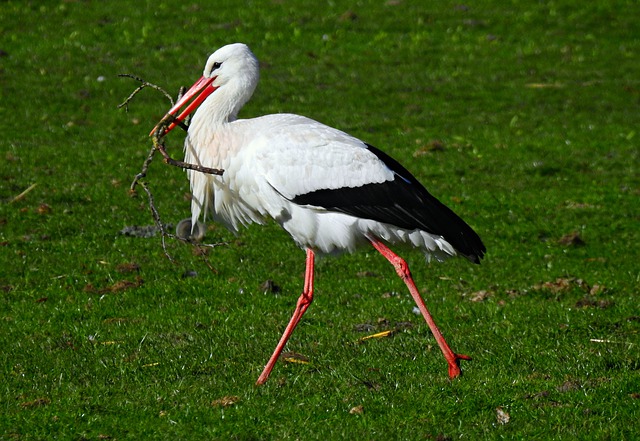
{"type": "Point", "coordinates": [215, 66]}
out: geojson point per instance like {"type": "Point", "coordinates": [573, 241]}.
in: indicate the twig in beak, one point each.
{"type": "Point", "coordinates": [144, 84]}
{"type": "Point", "coordinates": [158, 143]}
{"type": "Point", "coordinates": [158, 146]}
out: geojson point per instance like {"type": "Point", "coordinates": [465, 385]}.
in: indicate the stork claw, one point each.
{"type": "Point", "coordinates": [454, 365]}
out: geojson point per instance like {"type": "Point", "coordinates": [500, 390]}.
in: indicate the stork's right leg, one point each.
{"type": "Point", "coordinates": [303, 303]}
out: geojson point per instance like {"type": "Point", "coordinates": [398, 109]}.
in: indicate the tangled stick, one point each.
{"type": "Point", "coordinates": [159, 132]}
{"type": "Point", "coordinates": [157, 138]}
{"type": "Point", "coordinates": [143, 84]}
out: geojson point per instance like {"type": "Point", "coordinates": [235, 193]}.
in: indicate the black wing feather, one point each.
{"type": "Point", "coordinates": [403, 202]}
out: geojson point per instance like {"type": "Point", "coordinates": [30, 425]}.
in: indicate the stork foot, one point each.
{"type": "Point", "coordinates": [454, 365]}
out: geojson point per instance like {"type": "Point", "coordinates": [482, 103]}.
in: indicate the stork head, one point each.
{"type": "Point", "coordinates": [233, 69]}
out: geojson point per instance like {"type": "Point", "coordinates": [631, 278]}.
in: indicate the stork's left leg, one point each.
{"type": "Point", "coordinates": [304, 301]}
{"type": "Point", "coordinates": [402, 269]}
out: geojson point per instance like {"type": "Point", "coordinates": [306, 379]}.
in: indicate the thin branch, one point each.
{"type": "Point", "coordinates": [144, 84]}
{"type": "Point", "coordinates": [143, 171]}
{"type": "Point", "coordinates": [159, 133]}
{"type": "Point", "coordinates": [157, 138]}
{"type": "Point", "coordinates": [165, 234]}
{"type": "Point", "coordinates": [158, 221]}
{"type": "Point", "coordinates": [158, 143]}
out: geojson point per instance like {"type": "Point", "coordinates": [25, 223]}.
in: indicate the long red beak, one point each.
{"type": "Point", "coordinates": [202, 87]}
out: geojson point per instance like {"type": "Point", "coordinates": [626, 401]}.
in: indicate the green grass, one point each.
{"type": "Point", "coordinates": [536, 107]}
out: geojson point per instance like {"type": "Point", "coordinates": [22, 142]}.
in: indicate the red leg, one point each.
{"type": "Point", "coordinates": [402, 269]}
{"type": "Point", "coordinates": [303, 303]}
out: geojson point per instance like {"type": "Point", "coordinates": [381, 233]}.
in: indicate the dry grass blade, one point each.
{"type": "Point", "coordinates": [23, 194]}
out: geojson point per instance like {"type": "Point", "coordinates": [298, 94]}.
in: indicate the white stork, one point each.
{"type": "Point", "coordinates": [330, 191]}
